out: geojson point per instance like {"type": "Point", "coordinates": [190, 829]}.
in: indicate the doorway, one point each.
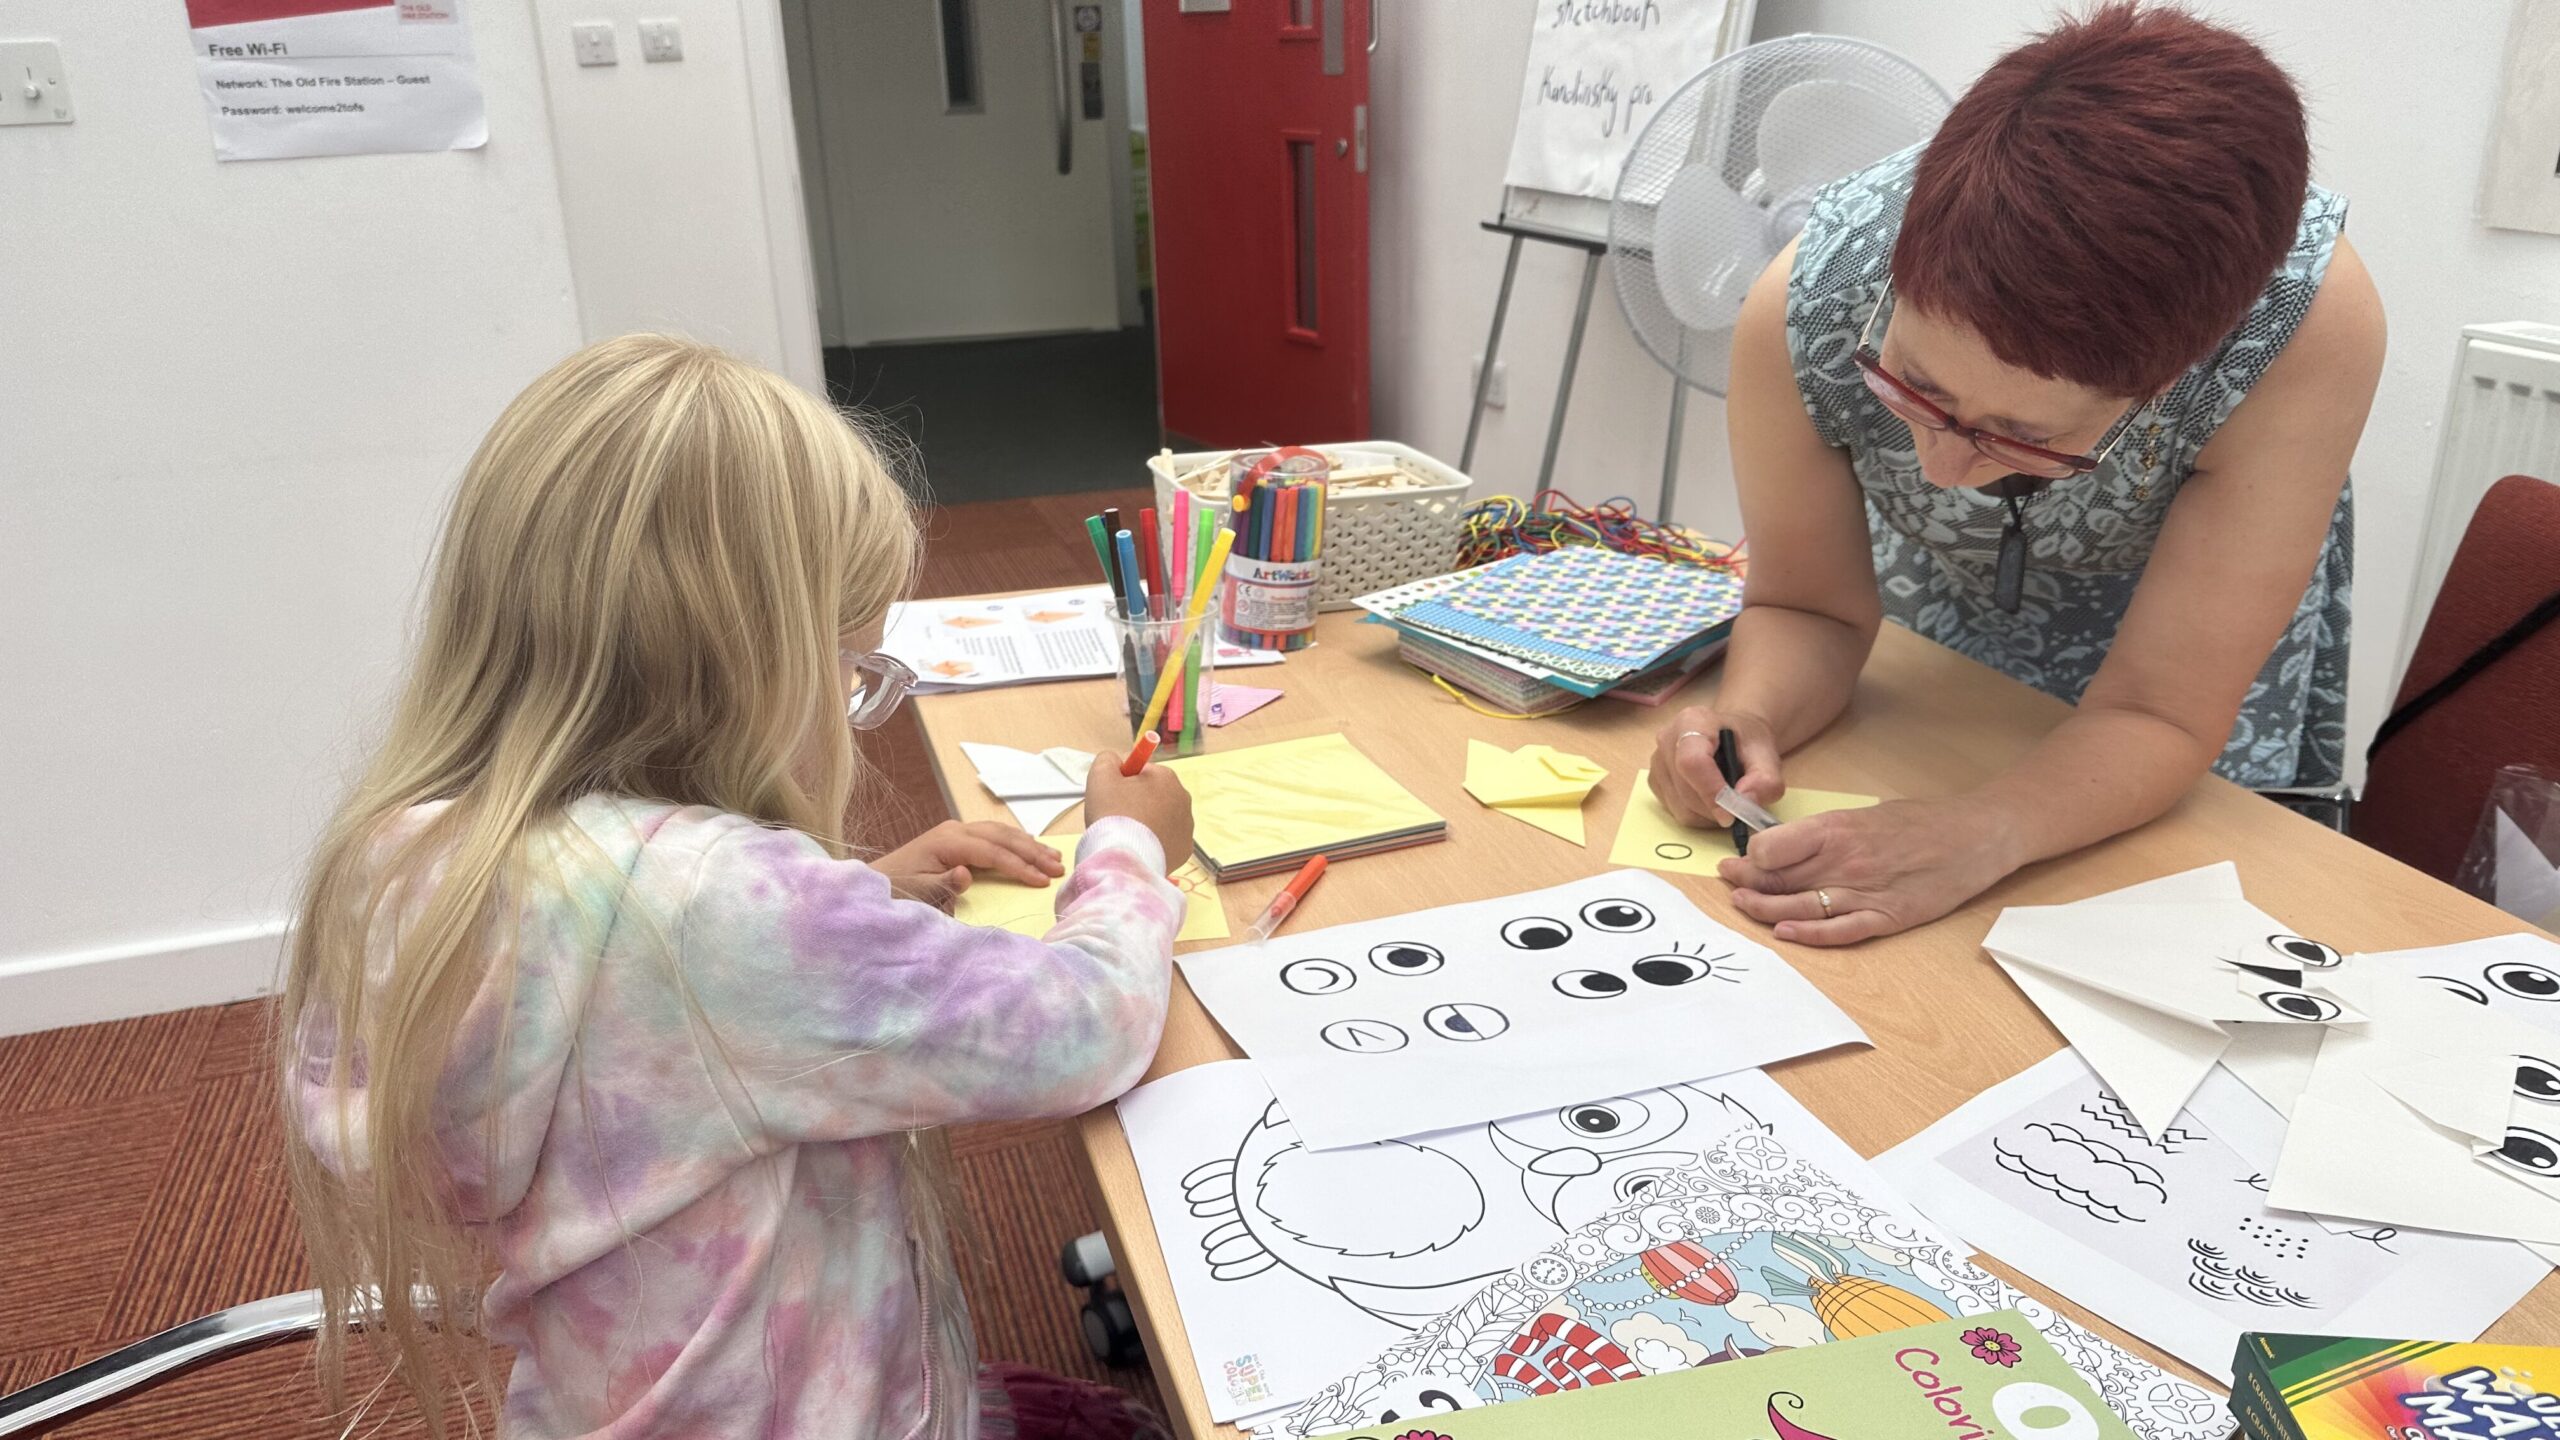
{"type": "Point", "coordinates": [973, 172]}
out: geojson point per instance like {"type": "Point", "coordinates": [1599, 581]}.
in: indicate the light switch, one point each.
{"type": "Point", "coordinates": [661, 40]}
{"type": "Point", "coordinates": [31, 88]}
{"type": "Point", "coordinates": [593, 40]}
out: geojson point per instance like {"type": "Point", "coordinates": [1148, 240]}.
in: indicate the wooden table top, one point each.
{"type": "Point", "coordinates": [1946, 1023]}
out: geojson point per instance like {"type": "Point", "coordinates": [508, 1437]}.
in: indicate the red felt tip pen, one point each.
{"type": "Point", "coordinates": [1141, 752]}
{"type": "Point", "coordinates": [1268, 922]}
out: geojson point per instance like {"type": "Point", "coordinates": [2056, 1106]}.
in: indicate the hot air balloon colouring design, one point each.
{"type": "Point", "coordinates": [1683, 1270]}
{"type": "Point", "coordinates": [1556, 1352]}
{"type": "Point", "coordinates": [1847, 1305]}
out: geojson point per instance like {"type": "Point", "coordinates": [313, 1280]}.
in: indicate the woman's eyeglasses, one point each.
{"type": "Point", "coordinates": [880, 682]}
{"type": "Point", "coordinates": [1917, 409]}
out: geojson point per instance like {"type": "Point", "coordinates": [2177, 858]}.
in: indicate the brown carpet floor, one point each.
{"type": "Point", "coordinates": [139, 1178]}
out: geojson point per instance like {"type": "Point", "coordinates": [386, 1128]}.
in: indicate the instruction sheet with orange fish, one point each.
{"type": "Point", "coordinates": [978, 640]}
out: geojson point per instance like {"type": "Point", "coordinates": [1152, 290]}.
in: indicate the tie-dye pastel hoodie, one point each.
{"type": "Point", "coordinates": [715, 1037]}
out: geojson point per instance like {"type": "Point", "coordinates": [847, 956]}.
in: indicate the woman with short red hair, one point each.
{"type": "Point", "coordinates": [2071, 389]}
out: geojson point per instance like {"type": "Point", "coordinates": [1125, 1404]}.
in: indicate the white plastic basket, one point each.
{"type": "Point", "coordinates": [1373, 540]}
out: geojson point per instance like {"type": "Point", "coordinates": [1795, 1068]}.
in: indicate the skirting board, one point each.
{"type": "Point", "coordinates": [214, 967]}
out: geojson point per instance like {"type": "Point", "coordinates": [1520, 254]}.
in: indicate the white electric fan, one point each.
{"type": "Point", "coordinates": [1721, 180]}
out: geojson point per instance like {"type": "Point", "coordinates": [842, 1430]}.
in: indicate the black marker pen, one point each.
{"type": "Point", "coordinates": [1729, 765]}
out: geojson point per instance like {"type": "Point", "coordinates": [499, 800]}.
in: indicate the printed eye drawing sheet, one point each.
{"type": "Point", "coordinates": [1443, 1017]}
{"type": "Point", "coordinates": [1751, 1250]}
{"type": "Point", "coordinates": [1292, 1265]}
{"type": "Point", "coordinates": [2169, 1233]}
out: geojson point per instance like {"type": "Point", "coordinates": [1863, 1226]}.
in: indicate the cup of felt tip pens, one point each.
{"type": "Point", "coordinates": [1278, 516]}
{"type": "Point", "coordinates": [1163, 573]}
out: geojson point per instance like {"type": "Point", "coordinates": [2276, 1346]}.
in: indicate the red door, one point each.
{"type": "Point", "coordinates": [1258, 152]}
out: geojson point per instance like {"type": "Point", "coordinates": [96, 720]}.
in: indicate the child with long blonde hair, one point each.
{"type": "Point", "coordinates": [588, 992]}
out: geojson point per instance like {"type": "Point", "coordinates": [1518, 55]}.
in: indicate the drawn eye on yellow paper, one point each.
{"type": "Point", "coordinates": [1651, 838]}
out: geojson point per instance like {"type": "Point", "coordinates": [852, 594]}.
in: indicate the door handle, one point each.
{"type": "Point", "coordinates": [1373, 27]}
{"type": "Point", "coordinates": [1066, 85]}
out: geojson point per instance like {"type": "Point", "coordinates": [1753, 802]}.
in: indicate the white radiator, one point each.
{"type": "Point", "coordinates": [2503, 418]}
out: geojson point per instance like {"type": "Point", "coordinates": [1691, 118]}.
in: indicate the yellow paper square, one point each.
{"type": "Point", "coordinates": [1564, 821]}
{"type": "Point", "coordinates": [1031, 910]}
{"type": "Point", "coordinates": [1297, 795]}
{"type": "Point", "coordinates": [1532, 775]}
{"type": "Point", "coordinates": [1649, 837]}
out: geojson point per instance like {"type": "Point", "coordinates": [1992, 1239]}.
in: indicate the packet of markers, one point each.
{"type": "Point", "coordinates": [1270, 600]}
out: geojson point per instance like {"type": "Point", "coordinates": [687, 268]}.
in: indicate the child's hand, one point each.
{"type": "Point", "coordinates": [1153, 797]}
{"type": "Point", "coordinates": [936, 866]}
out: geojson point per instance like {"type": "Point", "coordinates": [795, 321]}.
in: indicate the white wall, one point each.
{"type": "Point", "coordinates": [680, 181]}
{"type": "Point", "coordinates": [232, 401]}
{"type": "Point", "coordinates": [2400, 98]}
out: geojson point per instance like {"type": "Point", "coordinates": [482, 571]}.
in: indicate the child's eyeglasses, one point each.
{"type": "Point", "coordinates": [881, 681]}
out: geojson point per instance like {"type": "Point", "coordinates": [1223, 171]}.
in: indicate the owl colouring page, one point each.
{"type": "Point", "coordinates": [1446, 1017]}
{"type": "Point", "coordinates": [2170, 1234]}
{"type": "Point", "coordinates": [1291, 1265]}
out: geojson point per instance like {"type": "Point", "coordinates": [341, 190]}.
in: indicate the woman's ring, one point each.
{"type": "Point", "coordinates": [1824, 897]}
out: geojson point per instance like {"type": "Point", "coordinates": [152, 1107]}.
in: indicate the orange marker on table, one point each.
{"type": "Point", "coordinates": [1141, 752]}
{"type": "Point", "coordinates": [1268, 922]}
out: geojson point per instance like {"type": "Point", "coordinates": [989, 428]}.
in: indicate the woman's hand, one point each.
{"type": "Point", "coordinates": [937, 865]}
{"type": "Point", "coordinates": [1884, 869]}
{"type": "Point", "coordinates": [1685, 778]}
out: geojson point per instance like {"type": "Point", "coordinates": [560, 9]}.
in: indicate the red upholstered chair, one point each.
{"type": "Point", "coordinates": [2426, 784]}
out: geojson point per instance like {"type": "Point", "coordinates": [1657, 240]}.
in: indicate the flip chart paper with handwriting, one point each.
{"type": "Point", "coordinates": [1465, 1013]}
{"type": "Point", "coordinates": [2169, 1232]}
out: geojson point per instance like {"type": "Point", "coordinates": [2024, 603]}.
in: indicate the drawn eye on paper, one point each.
{"type": "Point", "coordinates": [2537, 1079]}
{"type": "Point", "coordinates": [1406, 957]}
{"type": "Point", "coordinates": [1537, 932]}
{"type": "Point", "coordinates": [2529, 1153]}
{"type": "Point", "coordinates": [1587, 1159]}
{"type": "Point", "coordinates": [2524, 980]}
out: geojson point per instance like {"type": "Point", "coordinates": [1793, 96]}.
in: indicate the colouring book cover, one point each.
{"type": "Point", "coordinates": [1749, 1251]}
{"type": "Point", "coordinates": [1974, 1379]}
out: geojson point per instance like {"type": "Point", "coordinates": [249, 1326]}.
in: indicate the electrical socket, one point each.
{"type": "Point", "coordinates": [1497, 394]}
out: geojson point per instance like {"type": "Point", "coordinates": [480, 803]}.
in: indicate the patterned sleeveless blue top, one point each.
{"type": "Point", "coordinates": [2089, 538]}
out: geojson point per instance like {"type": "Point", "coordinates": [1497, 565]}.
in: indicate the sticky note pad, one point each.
{"type": "Point", "coordinates": [1265, 809]}
{"type": "Point", "coordinates": [1031, 910]}
{"type": "Point", "coordinates": [1650, 837]}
